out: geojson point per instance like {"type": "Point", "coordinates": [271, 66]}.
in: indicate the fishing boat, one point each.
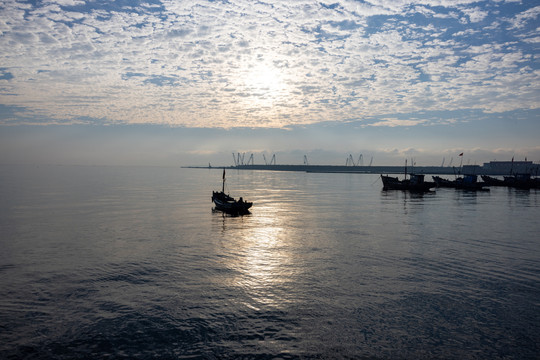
{"type": "Point", "coordinates": [441, 182]}
{"type": "Point", "coordinates": [226, 203]}
{"type": "Point", "coordinates": [492, 181]}
{"type": "Point", "coordinates": [415, 182]}
{"type": "Point", "coordinates": [520, 181]}
{"type": "Point", "coordinates": [467, 182]}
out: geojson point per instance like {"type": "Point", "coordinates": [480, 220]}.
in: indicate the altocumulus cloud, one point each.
{"type": "Point", "coordinates": [241, 63]}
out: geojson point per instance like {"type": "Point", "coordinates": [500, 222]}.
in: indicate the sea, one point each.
{"type": "Point", "coordinates": [135, 263]}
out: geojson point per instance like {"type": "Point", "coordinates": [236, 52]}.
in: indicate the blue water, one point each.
{"type": "Point", "coordinates": [131, 262]}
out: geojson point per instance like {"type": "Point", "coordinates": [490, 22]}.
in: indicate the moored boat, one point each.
{"type": "Point", "coordinates": [415, 182]}
{"type": "Point", "coordinates": [467, 182]}
{"type": "Point", "coordinates": [441, 182]}
{"type": "Point", "coordinates": [492, 181]}
{"type": "Point", "coordinates": [520, 181]}
{"type": "Point", "coordinates": [470, 182]}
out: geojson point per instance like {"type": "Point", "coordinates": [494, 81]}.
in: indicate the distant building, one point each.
{"type": "Point", "coordinates": [507, 167]}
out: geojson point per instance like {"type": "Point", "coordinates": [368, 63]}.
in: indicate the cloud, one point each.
{"type": "Point", "coordinates": [398, 122]}
{"type": "Point", "coordinates": [65, 2]}
{"type": "Point", "coordinates": [521, 19]}
{"type": "Point", "coordinates": [475, 14]}
{"type": "Point", "coordinates": [239, 63]}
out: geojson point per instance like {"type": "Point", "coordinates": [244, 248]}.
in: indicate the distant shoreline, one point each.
{"type": "Point", "coordinates": [436, 170]}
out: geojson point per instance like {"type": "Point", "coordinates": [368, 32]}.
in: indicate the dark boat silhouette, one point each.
{"type": "Point", "coordinates": [226, 203]}
{"type": "Point", "coordinates": [415, 182]}
{"type": "Point", "coordinates": [467, 182]}
{"type": "Point", "coordinates": [520, 181]}
{"type": "Point", "coordinates": [493, 181]}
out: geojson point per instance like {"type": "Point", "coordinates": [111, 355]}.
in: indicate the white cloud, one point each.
{"type": "Point", "coordinates": [532, 40]}
{"type": "Point", "coordinates": [242, 64]}
{"type": "Point", "coordinates": [65, 2]}
{"type": "Point", "coordinates": [475, 14]}
{"type": "Point", "coordinates": [398, 122]}
{"type": "Point", "coordinates": [521, 19]}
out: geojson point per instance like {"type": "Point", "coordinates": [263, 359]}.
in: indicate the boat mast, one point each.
{"type": "Point", "coordinates": [512, 166]}
{"type": "Point", "coordinates": [223, 187]}
{"type": "Point", "coordinates": [405, 169]}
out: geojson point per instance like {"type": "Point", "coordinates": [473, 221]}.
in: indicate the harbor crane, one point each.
{"type": "Point", "coordinates": [250, 160]}
{"type": "Point", "coordinates": [350, 161]}
{"type": "Point", "coordinates": [272, 161]}
{"type": "Point", "coordinates": [239, 159]}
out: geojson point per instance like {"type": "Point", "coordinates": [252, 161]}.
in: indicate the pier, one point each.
{"type": "Point", "coordinates": [492, 168]}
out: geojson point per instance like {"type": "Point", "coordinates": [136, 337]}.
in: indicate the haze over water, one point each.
{"type": "Point", "coordinates": [131, 262]}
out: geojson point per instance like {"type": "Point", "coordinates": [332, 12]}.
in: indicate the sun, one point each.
{"type": "Point", "coordinates": [263, 78]}
{"type": "Point", "coordinates": [264, 84]}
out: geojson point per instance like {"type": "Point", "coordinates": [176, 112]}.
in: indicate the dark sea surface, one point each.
{"type": "Point", "coordinates": [132, 262]}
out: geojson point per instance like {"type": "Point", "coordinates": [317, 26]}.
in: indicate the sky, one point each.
{"type": "Point", "coordinates": [173, 82]}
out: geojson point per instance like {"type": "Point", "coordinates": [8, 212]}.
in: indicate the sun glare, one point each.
{"type": "Point", "coordinates": [263, 78]}
{"type": "Point", "coordinates": [264, 85]}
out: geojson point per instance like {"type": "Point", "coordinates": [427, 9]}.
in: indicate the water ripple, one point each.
{"type": "Point", "coordinates": [133, 263]}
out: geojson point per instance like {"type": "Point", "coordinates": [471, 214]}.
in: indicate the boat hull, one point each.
{"type": "Point", "coordinates": [520, 181]}
{"type": "Point", "coordinates": [467, 182]}
{"type": "Point", "coordinates": [415, 184]}
{"type": "Point", "coordinates": [491, 181]}
{"type": "Point", "coordinates": [228, 204]}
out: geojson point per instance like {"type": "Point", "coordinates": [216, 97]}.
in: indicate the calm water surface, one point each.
{"type": "Point", "coordinates": [106, 262]}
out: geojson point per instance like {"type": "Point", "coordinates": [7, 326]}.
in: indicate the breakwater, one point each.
{"type": "Point", "coordinates": [435, 170]}
{"type": "Point", "coordinates": [349, 169]}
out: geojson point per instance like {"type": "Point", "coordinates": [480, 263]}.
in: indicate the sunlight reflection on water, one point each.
{"type": "Point", "coordinates": [259, 253]}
